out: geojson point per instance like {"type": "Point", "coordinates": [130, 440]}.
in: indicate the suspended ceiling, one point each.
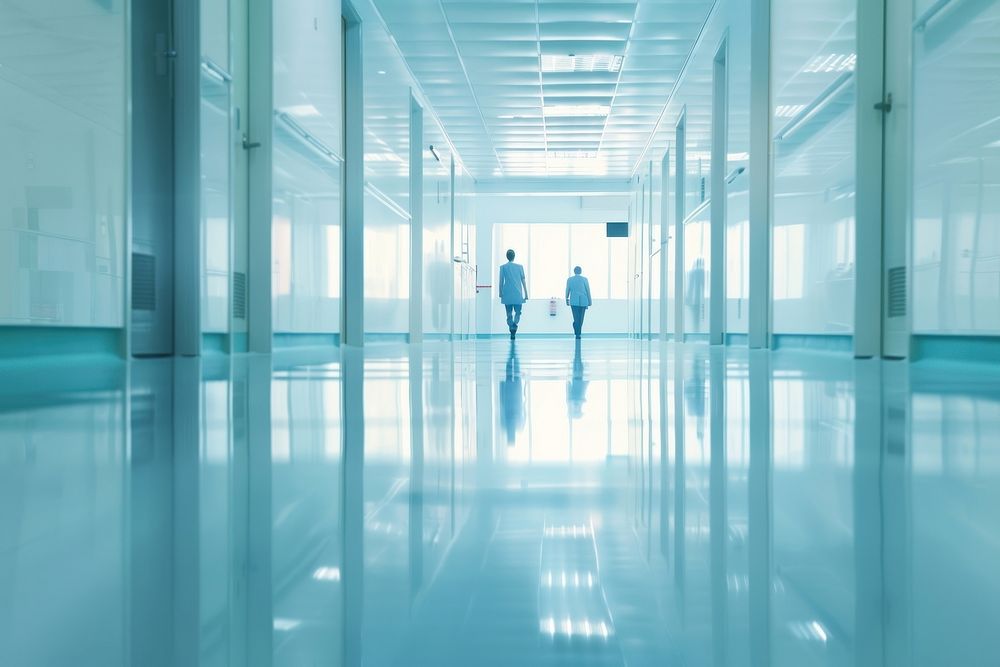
{"type": "Point", "coordinates": [531, 88]}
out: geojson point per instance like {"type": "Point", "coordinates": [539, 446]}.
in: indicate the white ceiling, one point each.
{"type": "Point", "coordinates": [480, 64]}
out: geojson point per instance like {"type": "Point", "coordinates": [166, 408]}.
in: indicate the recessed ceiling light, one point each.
{"type": "Point", "coordinates": [572, 155]}
{"type": "Point", "coordinates": [381, 71]}
{"type": "Point", "coordinates": [575, 63]}
{"type": "Point", "coordinates": [576, 110]}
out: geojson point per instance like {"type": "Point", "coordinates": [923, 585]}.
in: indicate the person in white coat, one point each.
{"type": "Point", "coordinates": [578, 298]}
{"type": "Point", "coordinates": [513, 291]}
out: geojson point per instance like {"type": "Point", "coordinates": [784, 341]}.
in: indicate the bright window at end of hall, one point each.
{"type": "Point", "coordinates": [589, 251]}
{"type": "Point", "coordinates": [549, 266]}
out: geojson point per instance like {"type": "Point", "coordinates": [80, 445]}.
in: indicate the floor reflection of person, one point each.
{"type": "Point", "coordinates": [696, 393]}
{"type": "Point", "coordinates": [576, 388]}
{"type": "Point", "coordinates": [512, 397]}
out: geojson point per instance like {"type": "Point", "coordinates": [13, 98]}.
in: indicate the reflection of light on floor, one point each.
{"type": "Point", "coordinates": [563, 579]}
{"type": "Point", "coordinates": [809, 631]}
{"type": "Point", "coordinates": [581, 628]}
{"type": "Point", "coordinates": [286, 624]}
{"type": "Point", "coordinates": [574, 531]}
{"type": "Point", "coordinates": [327, 574]}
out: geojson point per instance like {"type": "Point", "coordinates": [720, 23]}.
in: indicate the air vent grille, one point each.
{"type": "Point", "coordinates": [897, 291]}
{"type": "Point", "coordinates": [143, 281]}
{"type": "Point", "coordinates": [239, 295]}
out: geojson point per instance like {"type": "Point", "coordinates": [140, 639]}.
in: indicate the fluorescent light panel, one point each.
{"type": "Point", "coordinates": [601, 62]}
{"type": "Point", "coordinates": [576, 110]}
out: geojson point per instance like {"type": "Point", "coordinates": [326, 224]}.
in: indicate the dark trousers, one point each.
{"type": "Point", "coordinates": [513, 316]}
{"type": "Point", "coordinates": [578, 314]}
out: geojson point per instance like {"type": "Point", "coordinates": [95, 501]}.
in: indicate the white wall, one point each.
{"type": "Point", "coordinates": [606, 315]}
{"type": "Point", "coordinates": [62, 168]}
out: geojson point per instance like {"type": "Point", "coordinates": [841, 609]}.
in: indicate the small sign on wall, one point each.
{"type": "Point", "coordinates": [617, 230]}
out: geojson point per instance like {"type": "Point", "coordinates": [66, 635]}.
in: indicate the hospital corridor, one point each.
{"type": "Point", "coordinates": [500, 333]}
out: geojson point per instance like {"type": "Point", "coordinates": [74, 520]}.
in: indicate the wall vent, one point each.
{"type": "Point", "coordinates": [239, 295]}
{"type": "Point", "coordinates": [143, 281]}
{"type": "Point", "coordinates": [897, 291]}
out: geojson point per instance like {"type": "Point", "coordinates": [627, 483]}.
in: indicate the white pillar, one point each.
{"type": "Point", "coordinates": [759, 302]}
{"type": "Point", "coordinates": [260, 130]}
{"type": "Point", "coordinates": [868, 199]}
{"type": "Point", "coordinates": [664, 242]}
{"type": "Point", "coordinates": [416, 221]}
{"type": "Point", "coordinates": [720, 130]}
{"type": "Point", "coordinates": [187, 179]}
{"type": "Point", "coordinates": [679, 192]}
{"type": "Point", "coordinates": [352, 322]}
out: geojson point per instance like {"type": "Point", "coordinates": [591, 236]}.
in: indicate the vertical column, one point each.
{"type": "Point", "coordinates": [897, 168]}
{"type": "Point", "coordinates": [759, 302]}
{"type": "Point", "coordinates": [664, 243]}
{"type": "Point", "coordinates": [260, 131]}
{"type": "Point", "coordinates": [759, 511]}
{"type": "Point", "coordinates": [868, 200]}
{"type": "Point", "coordinates": [679, 193]}
{"type": "Point", "coordinates": [352, 324]}
{"type": "Point", "coordinates": [187, 178]}
{"type": "Point", "coordinates": [720, 125]}
{"type": "Point", "coordinates": [416, 222]}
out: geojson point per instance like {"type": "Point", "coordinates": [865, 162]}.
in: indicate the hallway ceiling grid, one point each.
{"type": "Point", "coordinates": [546, 87]}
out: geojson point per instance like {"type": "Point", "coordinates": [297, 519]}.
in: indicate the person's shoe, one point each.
{"type": "Point", "coordinates": [512, 335]}
{"type": "Point", "coordinates": [578, 336]}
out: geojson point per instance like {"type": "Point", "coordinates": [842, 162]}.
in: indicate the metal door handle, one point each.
{"type": "Point", "coordinates": [247, 144]}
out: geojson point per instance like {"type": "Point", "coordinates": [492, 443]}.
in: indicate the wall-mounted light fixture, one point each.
{"type": "Point", "coordinates": [434, 153]}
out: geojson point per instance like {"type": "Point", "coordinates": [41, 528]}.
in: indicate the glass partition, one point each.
{"type": "Point", "coordinates": [62, 166]}
{"type": "Point", "coordinates": [956, 163]}
{"type": "Point", "coordinates": [813, 83]}
{"type": "Point", "coordinates": [308, 168]}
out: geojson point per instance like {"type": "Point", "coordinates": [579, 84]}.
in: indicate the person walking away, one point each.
{"type": "Point", "coordinates": [578, 298]}
{"type": "Point", "coordinates": [513, 290]}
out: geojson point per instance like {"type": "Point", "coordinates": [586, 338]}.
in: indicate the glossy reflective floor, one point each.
{"type": "Point", "coordinates": [612, 503]}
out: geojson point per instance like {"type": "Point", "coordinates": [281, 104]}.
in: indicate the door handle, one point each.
{"type": "Point", "coordinates": [885, 105]}
{"type": "Point", "coordinates": [247, 144]}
